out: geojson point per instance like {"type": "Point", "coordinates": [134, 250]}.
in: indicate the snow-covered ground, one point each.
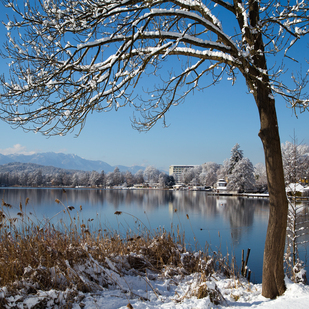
{"type": "Point", "coordinates": [167, 294]}
{"type": "Point", "coordinates": [162, 291]}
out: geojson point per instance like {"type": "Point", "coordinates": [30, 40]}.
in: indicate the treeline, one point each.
{"type": "Point", "coordinates": [30, 176]}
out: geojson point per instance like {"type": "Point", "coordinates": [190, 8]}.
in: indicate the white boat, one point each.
{"type": "Point", "coordinates": [220, 186]}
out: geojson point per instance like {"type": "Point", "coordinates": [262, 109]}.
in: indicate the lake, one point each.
{"type": "Point", "coordinates": [228, 224]}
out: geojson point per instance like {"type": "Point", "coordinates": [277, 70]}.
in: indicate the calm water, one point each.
{"type": "Point", "coordinates": [226, 223]}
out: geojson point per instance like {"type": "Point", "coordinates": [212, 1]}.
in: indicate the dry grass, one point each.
{"type": "Point", "coordinates": [49, 257]}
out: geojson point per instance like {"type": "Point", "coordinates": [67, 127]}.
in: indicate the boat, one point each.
{"type": "Point", "coordinates": [220, 186]}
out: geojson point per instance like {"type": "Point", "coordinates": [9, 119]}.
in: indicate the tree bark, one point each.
{"type": "Point", "coordinates": [273, 283]}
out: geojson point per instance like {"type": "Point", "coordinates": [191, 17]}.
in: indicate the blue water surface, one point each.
{"type": "Point", "coordinates": [214, 223]}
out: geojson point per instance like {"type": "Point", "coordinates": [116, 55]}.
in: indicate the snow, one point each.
{"type": "Point", "coordinates": [153, 290]}
{"type": "Point", "coordinates": [295, 187]}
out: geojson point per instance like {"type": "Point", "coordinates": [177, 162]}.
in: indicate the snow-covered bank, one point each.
{"type": "Point", "coordinates": [180, 296]}
{"type": "Point", "coordinates": [150, 290]}
{"type": "Point", "coordinates": [177, 292]}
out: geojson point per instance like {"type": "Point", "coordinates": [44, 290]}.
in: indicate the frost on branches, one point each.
{"type": "Point", "coordinates": [297, 235]}
{"type": "Point", "coordinates": [242, 178]}
{"type": "Point", "coordinates": [296, 169]}
{"type": "Point", "coordinates": [236, 156]}
{"type": "Point", "coordinates": [71, 58]}
{"type": "Point", "coordinates": [260, 177]}
{"type": "Point", "coordinates": [239, 172]}
{"type": "Point", "coordinates": [295, 161]}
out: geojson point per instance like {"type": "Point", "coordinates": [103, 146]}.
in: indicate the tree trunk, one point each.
{"type": "Point", "coordinates": [273, 283]}
{"type": "Point", "coordinates": [273, 273]}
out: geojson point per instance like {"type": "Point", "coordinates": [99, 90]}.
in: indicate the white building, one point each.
{"type": "Point", "coordinates": [177, 170]}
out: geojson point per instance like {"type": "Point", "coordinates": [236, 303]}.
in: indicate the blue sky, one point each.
{"type": "Point", "coordinates": [203, 129]}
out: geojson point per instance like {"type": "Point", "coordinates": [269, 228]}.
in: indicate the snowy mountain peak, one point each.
{"type": "Point", "coordinates": [65, 161]}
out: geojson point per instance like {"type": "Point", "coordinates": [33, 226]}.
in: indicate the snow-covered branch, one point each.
{"type": "Point", "coordinates": [71, 58]}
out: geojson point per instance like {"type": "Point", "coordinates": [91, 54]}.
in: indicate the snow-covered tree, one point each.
{"type": "Point", "coordinates": [197, 171]}
{"type": "Point", "coordinates": [67, 179]}
{"type": "Point", "coordinates": [38, 178]}
{"type": "Point", "coordinates": [236, 156]}
{"type": "Point", "coordinates": [102, 180]}
{"type": "Point", "coordinates": [110, 179]}
{"type": "Point", "coordinates": [191, 175]}
{"type": "Point", "coordinates": [208, 176]}
{"type": "Point", "coordinates": [295, 161]}
{"type": "Point", "coordinates": [57, 179]}
{"type": "Point", "coordinates": [223, 170]}
{"type": "Point", "coordinates": [24, 178]}
{"type": "Point", "coordinates": [114, 178]}
{"type": "Point", "coordinates": [139, 177]}
{"type": "Point", "coordinates": [297, 235]}
{"type": "Point", "coordinates": [84, 179]}
{"type": "Point", "coordinates": [151, 174]}
{"type": "Point", "coordinates": [118, 177]}
{"type": "Point", "coordinates": [94, 179]}
{"type": "Point", "coordinates": [242, 177]}
{"type": "Point", "coordinates": [162, 180]}
{"type": "Point", "coordinates": [129, 178]}
{"type": "Point", "coordinates": [11, 178]}
{"type": "Point", "coordinates": [166, 181]}
{"type": "Point", "coordinates": [71, 58]}
{"type": "Point", "coordinates": [75, 180]}
{"type": "Point", "coordinates": [260, 177]}
{"type": "Point", "coordinates": [187, 175]}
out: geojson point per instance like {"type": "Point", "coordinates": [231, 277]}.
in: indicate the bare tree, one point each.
{"type": "Point", "coordinates": [75, 57]}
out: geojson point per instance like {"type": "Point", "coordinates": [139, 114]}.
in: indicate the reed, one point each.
{"type": "Point", "coordinates": [48, 255]}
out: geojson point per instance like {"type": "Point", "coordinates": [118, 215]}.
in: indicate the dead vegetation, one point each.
{"type": "Point", "coordinates": [36, 257]}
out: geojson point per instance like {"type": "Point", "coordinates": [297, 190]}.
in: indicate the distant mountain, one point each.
{"type": "Point", "coordinates": [4, 159]}
{"type": "Point", "coordinates": [17, 167]}
{"type": "Point", "coordinates": [65, 161]}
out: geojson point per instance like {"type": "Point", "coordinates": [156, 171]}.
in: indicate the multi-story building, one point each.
{"type": "Point", "coordinates": [177, 170]}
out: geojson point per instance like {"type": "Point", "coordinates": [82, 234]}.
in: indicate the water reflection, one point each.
{"type": "Point", "coordinates": [237, 214]}
{"type": "Point", "coordinates": [242, 222]}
